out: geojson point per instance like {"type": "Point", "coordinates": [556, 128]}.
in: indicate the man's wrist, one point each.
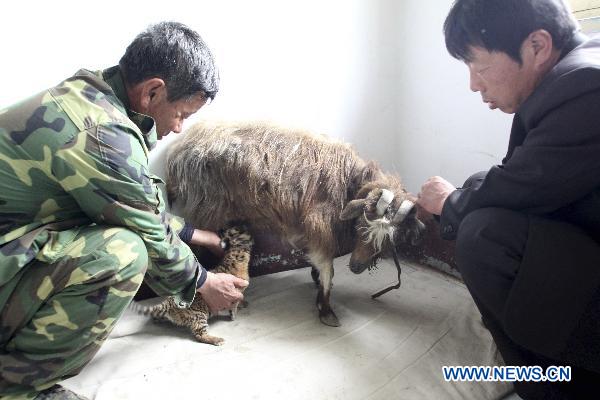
{"type": "Point", "coordinates": [447, 196]}
{"type": "Point", "coordinates": [186, 233]}
{"type": "Point", "coordinates": [202, 279]}
{"type": "Point", "coordinates": [205, 238]}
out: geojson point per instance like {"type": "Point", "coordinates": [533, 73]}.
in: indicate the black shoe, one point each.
{"type": "Point", "coordinates": [57, 392]}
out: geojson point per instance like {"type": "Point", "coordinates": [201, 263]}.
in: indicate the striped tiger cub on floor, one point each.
{"type": "Point", "coordinates": [235, 261]}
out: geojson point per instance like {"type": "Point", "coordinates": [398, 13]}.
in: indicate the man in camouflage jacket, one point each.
{"type": "Point", "coordinates": [81, 217]}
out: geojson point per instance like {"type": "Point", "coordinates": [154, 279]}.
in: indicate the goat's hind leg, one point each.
{"type": "Point", "coordinates": [314, 274]}
{"type": "Point", "coordinates": [235, 308]}
{"type": "Point", "coordinates": [325, 267]}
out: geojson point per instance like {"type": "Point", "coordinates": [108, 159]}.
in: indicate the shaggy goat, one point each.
{"type": "Point", "coordinates": [311, 190]}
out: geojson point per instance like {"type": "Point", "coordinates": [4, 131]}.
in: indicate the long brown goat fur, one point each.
{"type": "Point", "coordinates": [312, 190]}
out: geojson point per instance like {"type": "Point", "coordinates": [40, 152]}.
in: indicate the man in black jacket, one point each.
{"type": "Point", "coordinates": [528, 231]}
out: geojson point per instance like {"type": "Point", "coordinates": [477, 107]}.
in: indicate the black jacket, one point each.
{"type": "Point", "coordinates": [551, 171]}
{"type": "Point", "coordinates": [552, 166]}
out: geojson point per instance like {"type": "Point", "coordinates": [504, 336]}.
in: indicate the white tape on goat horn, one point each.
{"type": "Point", "coordinates": [384, 201]}
{"type": "Point", "coordinates": [403, 211]}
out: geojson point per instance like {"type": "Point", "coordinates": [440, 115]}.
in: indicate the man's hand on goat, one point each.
{"type": "Point", "coordinates": [221, 291]}
{"type": "Point", "coordinates": [434, 193]}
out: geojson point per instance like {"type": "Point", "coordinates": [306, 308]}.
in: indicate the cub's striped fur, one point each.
{"type": "Point", "coordinates": [235, 262]}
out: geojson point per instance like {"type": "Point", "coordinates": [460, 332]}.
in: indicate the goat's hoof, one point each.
{"type": "Point", "coordinates": [329, 318]}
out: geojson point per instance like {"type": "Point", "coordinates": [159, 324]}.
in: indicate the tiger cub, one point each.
{"type": "Point", "coordinates": [235, 261]}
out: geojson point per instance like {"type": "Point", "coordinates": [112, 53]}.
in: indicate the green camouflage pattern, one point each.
{"type": "Point", "coordinates": [74, 155]}
{"type": "Point", "coordinates": [56, 316]}
{"type": "Point", "coordinates": [73, 171]}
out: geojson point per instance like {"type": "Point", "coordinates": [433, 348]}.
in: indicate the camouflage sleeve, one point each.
{"type": "Point", "coordinates": [182, 228]}
{"type": "Point", "coordinates": [177, 223]}
{"type": "Point", "coordinates": [105, 170]}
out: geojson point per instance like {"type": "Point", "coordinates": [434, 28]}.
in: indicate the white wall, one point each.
{"type": "Point", "coordinates": [373, 72]}
{"type": "Point", "coordinates": [443, 128]}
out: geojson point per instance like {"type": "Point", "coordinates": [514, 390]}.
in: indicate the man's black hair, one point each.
{"type": "Point", "coordinates": [503, 25]}
{"type": "Point", "coordinates": [176, 54]}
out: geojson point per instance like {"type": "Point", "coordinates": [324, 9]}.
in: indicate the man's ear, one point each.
{"type": "Point", "coordinates": [541, 45]}
{"type": "Point", "coordinates": [150, 91]}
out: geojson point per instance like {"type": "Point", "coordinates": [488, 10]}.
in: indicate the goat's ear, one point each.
{"type": "Point", "coordinates": [353, 209]}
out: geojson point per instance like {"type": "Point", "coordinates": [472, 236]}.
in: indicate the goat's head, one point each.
{"type": "Point", "coordinates": [382, 221]}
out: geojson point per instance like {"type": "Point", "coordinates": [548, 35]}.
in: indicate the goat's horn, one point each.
{"type": "Point", "coordinates": [403, 211]}
{"type": "Point", "coordinates": [384, 201]}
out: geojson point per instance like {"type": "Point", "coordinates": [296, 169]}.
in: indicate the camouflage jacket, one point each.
{"type": "Point", "coordinates": [74, 155]}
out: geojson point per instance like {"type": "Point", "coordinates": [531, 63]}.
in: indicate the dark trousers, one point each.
{"type": "Point", "coordinates": [518, 288]}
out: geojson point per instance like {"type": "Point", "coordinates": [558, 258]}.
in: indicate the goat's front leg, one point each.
{"type": "Point", "coordinates": [324, 265]}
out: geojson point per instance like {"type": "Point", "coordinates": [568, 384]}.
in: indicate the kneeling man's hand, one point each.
{"type": "Point", "coordinates": [221, 291]}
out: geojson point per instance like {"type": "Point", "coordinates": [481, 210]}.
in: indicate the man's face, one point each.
{"type": "Point", "coordinates": [502, 82]}
{"type": "Point", "coordinates": [169, 116]}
